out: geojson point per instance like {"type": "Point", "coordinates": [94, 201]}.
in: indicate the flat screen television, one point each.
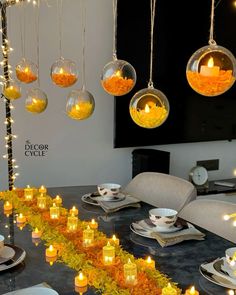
{"type": "Point", "coordinates": [181, 28]}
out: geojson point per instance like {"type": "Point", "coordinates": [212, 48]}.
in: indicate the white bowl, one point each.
{"type": "Point", "coordinates": [163, 217]}
{"type": "Point", "coordinates": [230, 255]}
{"type": "Point", "coordinates": [109, 190]}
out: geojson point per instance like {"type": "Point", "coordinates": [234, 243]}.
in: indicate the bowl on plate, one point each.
{"type": "Point", "coordinates": [163, 217]}
{"type": "Point", "coordinates": [230, 255]}
{"type": "Point", "coordinates": [109, 190]}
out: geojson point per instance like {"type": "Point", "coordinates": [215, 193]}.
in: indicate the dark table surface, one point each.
{"type": "Point", "coordinates": [180, 262]}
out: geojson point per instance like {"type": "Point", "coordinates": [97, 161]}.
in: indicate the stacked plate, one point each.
{"type": "Point", "coordinates": [11, 256]}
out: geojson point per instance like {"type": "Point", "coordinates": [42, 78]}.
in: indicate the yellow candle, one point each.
{"type": "Point", "coordinates": [41, 201]}
{"type": "Point", "coordinates": [51, 251]}
{"type": "Point", "coordinates": [191, 291]}
{"type": "Point", "coordinates": [130, 273]}
{"type": "Point", "coordinates": [88, 237]}
{"type": "Point", "coordinates": [7, 206]}
{"type": "Point", "coordinates": [54, 211]}
{"type": "Point", "coordinates": [81, 280]}
{"type": "Point", "coordinates": [57, 200]}
{"type": "Point", "coordinates": [74, 211]}
{"type": "Point", "coordinates": [28, 193]}
{"type": "Point", "coordinates": [42, 190]}
{"type": "Point", "coordinates": [169, 290]}
{"type": "Point", "coordinates": [108, 254]}
{"type": "Point", "coordinates": [93, 224]}
{"type": "Point", "coordinates": [36, 234]}
{"type": "Point", "coordinates": [114, 240]}
{"type": "Point", "coordinates": [20, 218]}
{"type": "Point", "coordinates": [210, 70]}
{"type": "Point", "coordinates": [72, 223]}
{"type": "Point", "coordinates": [150, 262]}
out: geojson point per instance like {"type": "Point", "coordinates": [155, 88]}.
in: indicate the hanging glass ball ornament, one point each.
{"type": "Point", "coordinates": [80, 104]}
{"type": "Point", "coordinates": [11, 90]}
{"type": "Point", "coordinates": [118, 77]}
{"type": "Point", "coordinates": [211, 70]}
{"type": "Point", "coordinates": [26, 71]}
{"type": "Point", "coordinates": [64, 72]}
{"type": "Point", "coordinates": [36, 101]}
{"type": "Point", "coordinates": [149, 108]}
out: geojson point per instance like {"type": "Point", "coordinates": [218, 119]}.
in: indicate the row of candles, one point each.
{"type": "Point", "coordinates": [108, 251]}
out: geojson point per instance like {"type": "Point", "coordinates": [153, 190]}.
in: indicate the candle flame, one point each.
{"type": "Point", "coordinates": [77, 107]}
{"type": "Point", "coordinates": [54, 205]}
{"type": "Point", "coordinates": [51, 248]}
{"type": "Point", "coordinates": [20, 215]}
{"type": "Point", "coordinates": [51, 263]}
{"type": "Point", "coordinates": [210, 63]}
{"type": "Point", "coordinates": [149, 260]}
{"type": "Point", "coordinates": [35, 101]}
{"type": "Point", "coordinates": [28, 186]}
{"type": "Point", "coordinates": [36, 230]}
{"type": "Point", "coordinates": [118, 73]}
{"type": "Point", "coordinates": [114, 238]}
{"type": "Point", "coordinates": [73, 208]}
{"type": "Point", "coordinates": [231, 292]}
{"type": "Point", "coordinates": [61, 71]}
{"type": "Point", "coordinates": [26, 70]}
{"type": "Point", "coordinates": [147, 109]}
{"type": "Point", "coordinates": [81, 276]}
{"type": "Point", "coordinates": [7, 203]}
{"type": "Point", "coordinates": [192, 290]}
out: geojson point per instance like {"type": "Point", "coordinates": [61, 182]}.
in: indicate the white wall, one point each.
{"type": "Point", "coordinates": [81, 152]}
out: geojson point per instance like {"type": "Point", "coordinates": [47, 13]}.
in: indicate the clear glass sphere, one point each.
{"type": "Point", "coordinates": [11, 90]}
{"type": "Point", "coordinates": [149, 108]}
{"type": "Point", "coordinates": [64, 72]}
{"type": "Point", "coordinates": [36, 101]}
{"type": "Point", "coordinates": [26, 71]}
{"type": "Point", "coordinates": [118, 77]}
{"type": "Point", "coordinates": [80, 104]}
{"type": "Point", "coordinates": [211, 70]}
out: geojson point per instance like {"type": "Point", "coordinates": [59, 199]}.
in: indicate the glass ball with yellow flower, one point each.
{"type": "Point", "coordinates": [26, 71]}
{"type": "Point", "coordinates": [11, 89]}
{"type": "Point", "coordinates": [36, 101]}
{"type": "Point", "coordinates": [211, 70]}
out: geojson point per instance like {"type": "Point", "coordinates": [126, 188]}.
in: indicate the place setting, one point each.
{"type": "Point", "coordinates": [221, 271]}
{"type": "Point", "coordinates": [10, 255]}
{"type": "Point", "coordinates": [110, 198]}
{"type": "Point", "coordinates": [164, 226]}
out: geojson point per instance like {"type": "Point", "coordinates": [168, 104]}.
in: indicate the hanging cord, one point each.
{"type": "Point", "coordinates": [22, 28]}
{"type": "Point", "coordinates": [83, 42]}
{"type": "Point", "coordinates": [114, 28]}
{"type": "Point", "coordinates": [211, 37]}
{"type": "Point", "coordinates": [153, 9]}
{"type": "Point", "coordinates": [59, 14]}
{"type": "Point", "coordinates": [37, 36]}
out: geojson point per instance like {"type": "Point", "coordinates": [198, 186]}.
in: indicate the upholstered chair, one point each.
{"type": "Point", "coordinates": [161, 190]}
{"type": "Point", "coordinates": [208, 213]}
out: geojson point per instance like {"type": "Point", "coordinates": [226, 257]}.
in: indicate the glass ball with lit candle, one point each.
{"type": "Point", "coordinates": [149, 108]}
{"type": "Point", "coordinates": [11, 90]}
{"type": "Point", "coordinates": [36, 101]}
{"type": "Point", "coordinates": [80, 104]}
{"type": "Point", "coordinates": [211, 70]}
{"type": "Point", "coordinates": [118, 77]}
{"type": "Point", "coordinates": [64, 72]}
{"type": "Point", "coordinates": [26, 71]}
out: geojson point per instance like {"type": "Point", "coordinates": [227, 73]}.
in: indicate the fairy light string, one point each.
{"type": "Point", "coordinates": [153, 9]}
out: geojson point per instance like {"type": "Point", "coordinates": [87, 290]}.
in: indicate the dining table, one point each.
{"type": "Point", "coordinates": [180, 262]}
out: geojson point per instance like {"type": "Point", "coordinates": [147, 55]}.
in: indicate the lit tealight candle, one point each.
{"type": "Point", "coordinates": [93, 224]}
{"type": "Point", "coordinates": [88, 237]}
{"type": "Point", "coordinates": [28, 193]}
{"type": "Point", "coordinates": [51, 251]}
{"type": "Point", "coordinates": [42, 190]}
{"type": "Point", "coordinates": [191, 291]}
{"type": "Point", "coordinates": [72, 223]}
{"type": "Point", "coordinates": [130, 273]}
{"type": "Point", "coordinates": [7, 206]}
{"type": "Point", "coordinates": [108, 254]}
{"type": "Point", "coordinates": [54, 211]}
{"type": "Point", "coordinates": [169, 290]}
{"type": "Point", "coordinates": [150, 262]}
{"type": "Point", "coordinates": [58, 200]}
{"type": "Point", "coordinates": [114, 240]}
{"type": "Point", "coordinates": [36, 234]}
{"type": "Point", "coordinates": [74, 211]}
{"type": "Point", "coordinates": [41, 201]}
{"type": "Point", "coordinates": [20, 218]}
{"type": "Point", "coordinates": [210, 70]}
{"type": "Point", "coordinates": [81, 283]}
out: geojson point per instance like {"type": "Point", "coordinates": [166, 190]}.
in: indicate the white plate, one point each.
{"type": "Point", "coordinates": [141, 232]}
{"type": "Point", "coordinates": [15, 260]}
{"type": "Point", "coordinates": [147, 224]}
{"type": "Point", "coordinates": [217, 278]}
{"type": "Point", "coordinates": [89, 199]}
{"type": "Point", "coordinates": [6, 254]}
{"type": "Point", "coordinates": [226, 269]}
{"type": "Point", "coordinates": [34, 291]}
